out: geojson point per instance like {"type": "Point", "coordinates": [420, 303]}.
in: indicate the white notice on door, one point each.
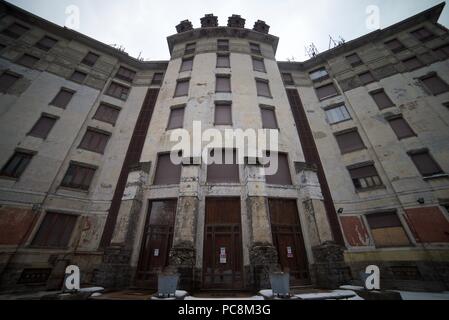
{"type": "Point", "coordinates": [156, 252]}
{"type": "Point", "coordinates": [223, 256]}
{"type": "Point", "coordinates": [289, 252]}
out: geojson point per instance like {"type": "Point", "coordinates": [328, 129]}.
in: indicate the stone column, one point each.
{"type": "Point", "coordinates": [182, 254]}
{"type": "Point", "coordinates": [262, 253]}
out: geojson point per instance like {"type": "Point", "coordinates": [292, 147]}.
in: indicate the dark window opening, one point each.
{"type": "Point", "coordinates": [224, 172]}
{"type": "Point", "coordinates": [190, 48]}
{"type": "Point", "coordinates": [263, 88]}
{"type": "Point", "coordinates": [326, 91]}
{"type": "Point", "coordinates": [90, 59]}
{"type": "Point", "coordinates": [255, 48]}
{"type": "Point", "coordinates": [125, 74]}
{"type": "Point", "coordinates": [423, 34]}
{"type": "Point", "coordinates": [182, 88]}
{"type": "Point", "coordinates": [157, 79]}
{"type": "Point", "coordinates": [223, 83]}
{"type": "Point", "coordinates": [425, 163]}
{"type": "Point", "coordinates": [223, 61]}
{"type": "Point", "coordinates": [94, 141]}
{"type": "Point", "coordinates": [28, 60]}
{"type": "Point", "coordinates": [412, 63]}
{"type": "Point", "coordinates": [349, 141]}
{"type": "Point", "coordinates": [223, 113]}
{"type": "Point", "coordinates": [167, 173]}
{"type": "Point", "coordinates": [382, 100]}
{"type": "Point", "coordinates": [46, 43]}
{"type": "Point", "coordinates": [118, 91]}
{"type": "Point", "coordinates": [43, 126]}
{"type": "Point", "coordinates": [435, 84]}
{"type": "Point", "coordinates": [15, 30]}
{"type": "Point", "coordinates": [107, 113]}
{"type": "Point", "coordinates": [223, 45]}
{"type": "Point", "coordinates": [367, 77]}
{"type": "Point", "coordinates": [55, 230]}
{"type": "Point", "coordinates": [282, 175]}
{"type": "Point", "coordinates": [395, 46]}
{"type": "Point", "coordinates": [78, 177]}
{"type": "Point", "coordinates": [78, 76]}
{"type": "Point", "coordinates": [63, 98]}
{"type": "Point", "coordinates": [288, 79]}
{"type": "Point", "coordinates": [259, 64]}
{"type": "Point", "coordinates": [7, 80]}
{"type": "Point", "coordinates": [269, 120]}
{"type": "Point", "coordinates": [16, 165]}
{"type": "Point", "coordinates": [354, 60]}
{"type": "Point", "coordinates": [176, 118]}
{"type": "Point", "coordinates": [365, 176]}
{"type": "Point", "coordinates": [401, 128]}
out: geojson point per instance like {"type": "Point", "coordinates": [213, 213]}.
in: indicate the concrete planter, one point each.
{"type": "Point", "coordinates": [280, 284]}
{"type": "Point", "coordinates": [167, 285]}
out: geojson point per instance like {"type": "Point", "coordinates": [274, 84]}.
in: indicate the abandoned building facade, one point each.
{"type": "Point", "coordinates": [86, 177]}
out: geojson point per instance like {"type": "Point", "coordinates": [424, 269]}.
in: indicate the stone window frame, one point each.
{"type": "Point", "coordinates": [270, 94]}
{"type": "Point", "coordinates": [68, 90]}
{"type": "Point", "coordinates": [223, 75]}
{"type": "Point", "coordinates": [81, 145]}
{"type": "Point", "coordinates": [430, 75]}
{"type": "Point", "coordinates": [223, 103]}
{"type": "Point", "coordinates": [29, 153]}
{"type": "Point", "coordinates": [228, 56]}
{"type": "Point", "coordinates": [334, 106]}
{"type": "Point", "coordinates": [187, 79]}
{"type": "Point", "coordinates": [362, 165]}
{"type": "Point", "coordinates": [122, 97]}
{"type": "Point", "coordinates": [441, 172]}
{"type": "Point", "coordinates": [176, 107]}
{"type": "Point", "coordinates": [289, 82]}
{"type": "Point", "coordinates": [155, 171]}
{"type": "Point", "coordinates": [86, 61]}
{"type": "Point", "coordinates": [346, 131]}
{"type": "Point", "coordinates": [22, 25]}
{"type": "Point", "coordinates": [184, 59]}
{"type": "Point", "coordinates": [270, 108]}
{"type": "Point", "coordinates": [43, 115]}
{"type": "Point", "coordinates": [337, 91]}
{"type": "Point", "coordinates": [42, 47]}
{"type": "Point", "coordinates": [357, 63]}
{"type": "Point", "coordinates": [260, 60]}
{"type": "Point", "coordinates": [62, 185]}
{"type": "Point", "coordinates": [374, 92]}
{"type": "Point", "coordinates": [107, 105]}
{"type": "Point", "coordinates": [390, 118]}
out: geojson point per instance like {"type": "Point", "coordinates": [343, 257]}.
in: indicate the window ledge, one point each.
{"type": "Point", "coordinates": [81, 191]}
{"type": "Point", "coordinates": [370, 189]}
{"type": "Point", "coordinates": [436, 176]}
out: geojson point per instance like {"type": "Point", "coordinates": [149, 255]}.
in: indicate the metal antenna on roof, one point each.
{"type": "Point", "coordinates": [335, 43]}
{"type": "Point", "coordinates": [311, 50]}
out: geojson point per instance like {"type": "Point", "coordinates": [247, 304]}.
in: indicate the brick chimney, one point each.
{"type": "Point", "coordinates": [184, 26]}
{"type": "Point", "coordinates": [209, 21]}
{"type": "Point", "coordinates": [236, 21]}
{"type": "Point", "coordinates": [261, 26]}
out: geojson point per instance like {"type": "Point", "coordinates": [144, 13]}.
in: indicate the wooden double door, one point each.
{"type": "Point", "coordinates": [222, 253]}
{"type": "Point", "coordinates": [288, 240]}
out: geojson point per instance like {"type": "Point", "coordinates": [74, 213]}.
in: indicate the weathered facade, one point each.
{"type": "Point", "coordinates": [86, 176]}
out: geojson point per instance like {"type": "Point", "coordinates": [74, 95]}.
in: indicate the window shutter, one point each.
{"type": "Point", "coordinates": [354, 60]}
{"type": "Point", "coordinates": [78, 76]}
{"type": "Point", "coordinates": [125, 74]}
{"type": "Point", "coordinates": [118, 91]}
{"type": "Point", "coordinates": [282, 176]}
{"type": "Point", "coordinates": [94, 141]}
{"type": "Point", "coordinates": [166, 172]}
{"type": "Point", "coordinates": [78, 177]}
{"type": "Point", "coordinates": [223, 61]}
{"type": "Point", "coordinates": [387, 230]}
{"type": "Point", "coordinates": [7, 80]}
{"type": "Point", "coordinates": [425, 164]}
{"type": "Point", "coordinates": [62, 99]}
{"type": "Point", "coordinates": [263, 88]}
{"type": "Point", "coordinates": [16, 165]}
{"type": "Point", "coordinates": [435, 85]}
{"type": "Point", "coordinates": [176, 119]}
{"type": "Point", "coordinates": [350, 141]}
{"type": "Point", "coordinates": [269, 118]}
{"type": "Point", "coordinates": [55, 230]}
{"type": "Point", "coordinates": [395, 46]}
{"type": "Point", "coordinates": [15, 30]}
{"type": "Point", "coordinates": [42, 127]}
{"type": "Point", "coordinates": [46, 43]}
{"type": "Point", "coordinates": [224, 173]}
{"type": "Point", "coordinates": [366, 77]}
{"type": "Point", "coordinates": [223, 45]}
{"type": "Point", "coordinates": [187, 64]}
{"type": "Point", "coordinates": [157, 79]}
{"type": "Point", "coordinates": [258, 64]}
{"type": "Point", "coordinates": [107, 114]}
{"type": "Point", "coordinates": [382, 100]}
{"type": "Point", "coordinates": [401, 128]}
{"type": "Point", "coordinates": [288, 79]}
{"type": "Point", "coordinates": [326, 91]}
{"type": "Point", "coordinates": [223, 84]}
{"type": "Point", "coordinates": [223, 114]}
{"type": "Point", "coordinates": [28, 60]}
{"type": "Point", "coordinates": [182, 88]}
{"type": "Point", "coordinates": [412, 63]}
{"type": "Point", "coordinates": [90, 59]}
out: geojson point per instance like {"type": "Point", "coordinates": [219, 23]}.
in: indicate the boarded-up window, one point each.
{"type": "Point", "coordinates": [222, 45]}
{"type": "Point", "coordinates": [187, 64]}
{"type": "Point", "coordinates": [354, 60]}
{"type": "Point", "coordinates": [366, 77]}
{"type": "Point", "coordinates": [326, 91]}
{"type": "Point", "coordinates": [365, 176]}
{"type": "Point", "coordinates": [182, 88]}
{"type": "Point", "coordinates": [223, 83]}
{"type": "Point", "coordinates": [223, 113]}
{"type": "Point", "coordinates": [442, 52]}
{"type": "Point", "coordinates": [349, 141]}
{"type": "Point", "coordinates": [166, 172]}
{"type": "Point", "coordinates": [125, 74]}
{"type": "Point", "coordinates": [90, 59]}
{"type": "Point", "coordinates": [46, 43]}
{"type": "Point", "coordinates": [435, 84]}
{"type": "Point", "coordinates": [94, 141]}
{"type": "Point", "coordinates": [16, 165]}
{"type": "Point", "coordinates": [7, 79]}
{"type": "Point", "coordinates": [401, 128]}
{"type": "Point", "coordinates": [282, 176]}
{"type": "Point", "coordinates": [118, 91]}
{"type": "Point", "coordinates": [190, 48]}
{"type": "Point", "coordinates": [107, 113]}
{"type": "Point", "coordinates": [176, 119]}
{"type": "Point", "coordinates": [43, 126]}
{"type": "Point", "coordinates": [157, 79]}
{"type": "Point", "coordinates": [15, 30]}
{"type": "Point", "coordinates": [423, 34]}
{"type": "Point", "coordinates": [425, 163]}
{"type": "Point", "coordinates": [223, 61]}
{"type": "Point", "coordinates": [395, 45]}
{"type": "Point", "coordinates": [263, 88]}
{"type": "Point", "coordinates": [269, 120]}
{"type": "Point", "coordinates": [288, 79]}
{"type": "Point", "coordinates": [227, 171]}
{"type": "Point", "coordinates": [381, 99]}
{"type": "Point", "coordinates": [319, 74]}
{"type": "Point", "coordinates": [387, 230]}
{"type": "Point", "coordinates": [78, 76]}
{"type": "Point", "coordinates": [63, 98]}
{"type": "Point", "coordinates": [412, 63]}
{"type": "Point", "coordinates": [28, 60]}
{"type": "Point", "coordinates": [259, 64]}
{"type": "Point", "coordinates": [55, 230]}
{"type": "Point", "coordinates": [255, 48]}
{"type": "Point", "coordinates": [337, 114]}
{"type": "Point", "coordinates": [78, 177]}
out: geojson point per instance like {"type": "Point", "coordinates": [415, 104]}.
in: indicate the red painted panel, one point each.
{"type": "Point", "coordinates": [15, 224]}
{"type": "Point", "coordinates": [355, 231]}
{"type": "Point", "coordinates": [429, 225]}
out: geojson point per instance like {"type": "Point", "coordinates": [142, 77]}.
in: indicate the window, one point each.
{"type": "Point", "coordinates": [190, 48]}
{"type": "Point", "coordinates": [94, 141]}
{"type": "Point", "coordinates": [327, 91]}
{"type": "Point", "coordinates": [16, 165]}
{"type": "Point", "coordinates": [55, 230]}
{"type": "Point", "coordinates": [258, 64]}
{"type": "Point", "coordinates": [223, 113]}
{"type": "Point", "coordinates": [7, 79]}
{"type": "Point", "coordinates": [425, 163]}
{"type": "Point", "coordinates": [442, 52]}
{"type": "Point", "coordinates": [107, 113]}
{"type": "Point", "coordinates": [15, 30]}
{"type": "Point", "coordinates": [63, 98]}
{"type": "Point", "coordinates": [90, 59]}
{"type": "Point", "coordinates": [223, 45]}
{"type": "Point", "coordinates": [223, 83]}
{"type": "Point", "coordinates": [78, 176]}
{"type": "Point", "coordinates": [263, 88]}
{"type": "Point", "coordinates": [366, 77]}
{"type": "Point", "coordinates": [118, 91]}
{"type": "Point", "coordinates": [381, 99]}
{"type": "Point", "coordinates": [387, 230]}
{"type": "Point", "coordinates": [349, 141]}
{"type": "Point", "coordinates": [319, 74]}
{"type": "Point", "coordinates": [435, 84]}
{"type": "Point", "coordinates": [395, 46]}
{"type": "Point", "coordinates": [364, 176]}
{"type": "Point", "coordinates": [176, 118]}
{"type": "Point", "coordinates": [354, 60]}
{"type": "Point", "coordinates": [412, 63]}
{"type": "Point", "coordinates": [182, 88]}
{"type": "Point", "coordinates": [269, 120]}
{"type": "Point", "coordinates": [423, 34]}
{"type": "Point", "coordinates": [166, 172]}
{"type": "Point", "coordinates": [157, 79]}
{"type": "Point", "coordinates": [282, 176]}
{"type": "Point", "coordinates": [46, 43]}
{"type": "Point", "coordinates": [288, 79]}
{"type": "Point", "coordinates": [28, 60]}
{"type": "Point", "coordinates": [223, 61]}
{"type": "Point", "coordinates": [401, 128]}
{"type": "Point", "coordinates": [125, 74]}
{"type": "Point", "coordinates": [187, 64]}
{"type": "Point", "coordinates": [255, 48]}
{"type": "Point", "coordinates": [223, 171]}
{"type": "Point", "coordinates": [78, 76]}
{"type": "Point", "coordinates": [337, 114]}
{"type": "Point", "coordinates": [43, 126]}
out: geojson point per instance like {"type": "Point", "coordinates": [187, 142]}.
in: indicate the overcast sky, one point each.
{"type": "Point", "coordinates": [141, 26]}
